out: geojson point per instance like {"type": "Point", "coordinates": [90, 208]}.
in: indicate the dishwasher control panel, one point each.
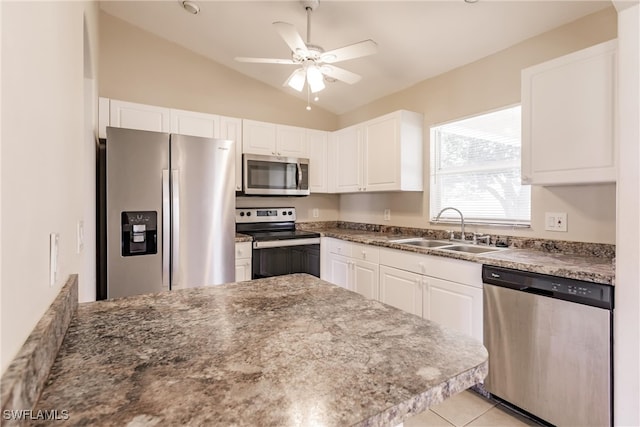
{"type": "Point", "coordinates": [593, 294]}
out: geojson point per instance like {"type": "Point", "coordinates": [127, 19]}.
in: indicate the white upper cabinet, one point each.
{"type": "Point", "coordinates": [195, 124]}
{"type": "Point", "coordinates": [273, 140]}
{"type": "Point", "coordinates": [345, 166]}
{"type": "Point", "coordinates": [383, 154]}
{"type": "Point", "coordinates": [393, 152]}
{"type": "Point", "coordinates": [568, 107]}
{"type": "Point", "coordinates": [317, 145]}
{"type": "Point", "coordinates": [130, 115]}
{"type": "Point", "coordinates": [231, 128]}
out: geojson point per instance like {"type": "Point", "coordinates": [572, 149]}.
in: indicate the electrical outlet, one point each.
{"type": "Point", "coordinates": [315, 213]}
{"type": "Point", "coordinates": [555, 221]}
{"type": "Point", "coordinates": [387, 214]}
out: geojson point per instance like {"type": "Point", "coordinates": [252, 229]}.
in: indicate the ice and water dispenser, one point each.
{"type": "Point", "coordinates": [139, 233]}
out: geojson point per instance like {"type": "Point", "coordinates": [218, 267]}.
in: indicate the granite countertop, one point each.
{"type": "Point", "coordinates": [243, 238]}
{"type": "Point", "coordinates": [598, 269]}
{"type": "Point", "coordinates": [287, 350]}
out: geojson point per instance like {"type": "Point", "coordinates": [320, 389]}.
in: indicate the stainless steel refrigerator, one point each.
{"type": "Point", "coordinates": [169, 212]}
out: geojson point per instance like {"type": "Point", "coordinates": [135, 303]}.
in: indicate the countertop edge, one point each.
{"type": "Point", "coordinates": [437, 394]}
{"type": "Point", "coordinates": [24, 379]}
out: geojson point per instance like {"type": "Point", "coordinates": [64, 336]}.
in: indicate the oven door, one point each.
{"type": "Point", "coordinates": [277, 258]}
{"type": "Point", "coordinates": [275, 176]}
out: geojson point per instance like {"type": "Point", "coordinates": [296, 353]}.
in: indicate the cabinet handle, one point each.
{"type": "Point", "coordinates": [364, 254]}
{"type": "Point", "coordinates": [279, 154]}
{"type": "Point", "coordinates": [273, 153]}
{"type": "Point", "coordinates": [421, 265]}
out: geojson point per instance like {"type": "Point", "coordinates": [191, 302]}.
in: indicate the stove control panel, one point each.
{"type": "Point", "coordinates": [245, 215]}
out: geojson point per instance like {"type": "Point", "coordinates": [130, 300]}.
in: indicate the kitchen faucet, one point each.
{"type": "Point", "coordinates": [461, 222]}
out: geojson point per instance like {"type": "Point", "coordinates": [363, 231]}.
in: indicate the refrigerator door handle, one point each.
{"type": "Point", "coordinates": [166, 248]}
{"type": "Point", "coordinates": [175, 228]}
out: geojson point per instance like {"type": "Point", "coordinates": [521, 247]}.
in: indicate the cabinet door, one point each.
{"type": "Point", "coordinates": [258, 137]}
{"type": "Point", "coordinates": [346, 149]}
{"type": "Point", "coordinates": [401, 289]}
{"type": "Point", "coordinates": [195, 124]}
{"type": "Point", "coordinates": [365, 278]}
{"type": "Point", "coordinates": [231, 128]}
{"type": "Point", "coordinates": [317, 141]}
{"type": "Point", "coordinates": [568, 107]}
{"type": "Point", "coordinates": [243, 261]}
{"type": "Point", "coordinates": [243, 269]}
{"type": "Point", "coordinates": [139, 116]}
{"type": "Point", "coordinates": [339, 269]}
{"type": "Point", "coordinates": [291, 141]}
{"type": "Point", "coordinates": [455, 306]}
{"type": "Point", "coordinates": [382, 154]}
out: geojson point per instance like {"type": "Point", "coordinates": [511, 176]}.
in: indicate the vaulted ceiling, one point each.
{"type": "Point", "coordinates": [416, 39]}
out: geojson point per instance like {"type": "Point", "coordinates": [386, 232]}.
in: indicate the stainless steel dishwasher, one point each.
{"type": "Point", "coordinates": [549, 343]}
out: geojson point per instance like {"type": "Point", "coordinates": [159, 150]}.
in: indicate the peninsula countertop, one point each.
{"type": "Point", "coordinates": [287, 350]}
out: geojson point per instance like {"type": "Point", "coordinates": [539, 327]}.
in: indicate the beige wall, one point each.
{"type": "Point", "coordinates": [138, 66]}
{"type": "Point", "coordinates": [42, 155]}
{"type": "Point", "coordinates": [485, 85]}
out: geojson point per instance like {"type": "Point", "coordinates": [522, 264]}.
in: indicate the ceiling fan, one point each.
{"type": "Point", "coordinates": [314, 62]}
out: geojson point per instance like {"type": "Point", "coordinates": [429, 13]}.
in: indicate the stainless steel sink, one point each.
{"type": "Point", "coordinates": [426, 243]}
{"type": "Point", "coordinates": [470, 249]}
{"type": "Point", "coordinates": [420, 241]}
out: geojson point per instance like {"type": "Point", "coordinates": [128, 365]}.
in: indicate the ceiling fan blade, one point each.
{"type": "Point", "coordinates": [340, 74]}
{"type": "Point", "coordinates": [290, 36]}
{"type": "Point", "coordinates": [352, 51]}
{"type": "Point", "coordinates": [264, 60]}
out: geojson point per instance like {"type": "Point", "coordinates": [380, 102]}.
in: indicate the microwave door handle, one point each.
{"type": "Point", "coordinates": [299, 178]}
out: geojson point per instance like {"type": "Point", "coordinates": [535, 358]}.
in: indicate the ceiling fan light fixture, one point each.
{"type": "Point", "coordinates": [296, 80]}
{"type": "Point", "coordinates": [315, 78]}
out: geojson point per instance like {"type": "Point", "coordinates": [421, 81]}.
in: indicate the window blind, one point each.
{"type": "Point", "coordinates": [475, 167]}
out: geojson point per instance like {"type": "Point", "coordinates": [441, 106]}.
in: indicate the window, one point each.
{"type": "Point", "coordinates": [475, 167]}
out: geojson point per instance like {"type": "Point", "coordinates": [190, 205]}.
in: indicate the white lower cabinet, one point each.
{"type": "Point", "coordinates": [243, 261]}
{"type": "Point", "coordinates": [352, 266]}
{"type": "Point", "coordinates": [445, 290]}
{"type": "Point", "coordinates": [401, 289]}
{"type": "Point", "coordinates": [453, 305]}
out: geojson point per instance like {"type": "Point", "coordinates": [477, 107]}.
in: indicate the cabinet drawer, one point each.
{"type": "Point", "coordinates": [365, 252]}
{"type": "Point", "coordinates": [243, 250]}
{"type": "Point", "coordinates": [455, 270]}
{"type": "Point", "coordinates": [340, 247]}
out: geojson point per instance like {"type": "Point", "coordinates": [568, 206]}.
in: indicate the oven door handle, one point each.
{"type": "Point", "coordinates": [288, 242]}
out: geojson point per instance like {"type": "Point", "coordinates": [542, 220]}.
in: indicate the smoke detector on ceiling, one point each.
{"type": "Point", "coordinates": [191, 7]}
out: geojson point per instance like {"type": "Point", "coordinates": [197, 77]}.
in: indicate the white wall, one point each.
{"type": "Point", "coordinates": [42, 155]}
{"type": "Point", "coordinates": [627, 297]}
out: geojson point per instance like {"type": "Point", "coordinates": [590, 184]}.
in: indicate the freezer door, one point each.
{"type": "Point", "coordinates": [203, 211]}
{"type": "Point", "coordinates": [135, 161]}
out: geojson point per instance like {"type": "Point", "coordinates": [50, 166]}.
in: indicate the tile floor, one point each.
{"type": "Point", "coordinates": [468, 409]}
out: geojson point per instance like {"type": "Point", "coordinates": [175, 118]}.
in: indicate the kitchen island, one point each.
{"type": "Point", "coordinates": [288, 350]}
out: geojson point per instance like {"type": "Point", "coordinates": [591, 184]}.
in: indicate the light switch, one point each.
{"type": "Point", "coordinates": [555, 221]}
{"type": "Point", "coordinates": [53, 258]}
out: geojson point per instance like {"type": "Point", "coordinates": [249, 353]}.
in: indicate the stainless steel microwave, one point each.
{"type": "Point", "coordinates": [275, 176]}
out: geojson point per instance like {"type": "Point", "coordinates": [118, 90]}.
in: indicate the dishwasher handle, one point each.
{"type": "Point", "coordinates": [536, 291]}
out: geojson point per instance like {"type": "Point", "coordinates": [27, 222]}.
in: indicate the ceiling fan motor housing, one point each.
{"type": "Point", "coordinates": [310, 4]}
